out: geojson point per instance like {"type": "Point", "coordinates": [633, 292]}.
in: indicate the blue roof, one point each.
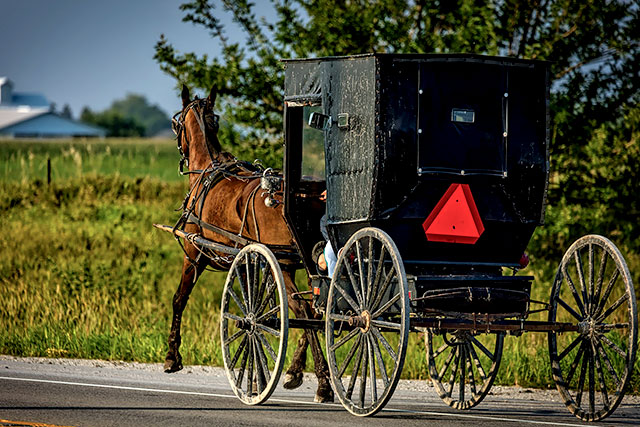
{"type": "Point", "coordinates": [30, 99]}
{"type": "Point", "coordinates": [51, 125]}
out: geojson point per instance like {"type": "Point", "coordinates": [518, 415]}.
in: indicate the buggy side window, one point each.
{"type": "Point", "coordinates": [312, 147]}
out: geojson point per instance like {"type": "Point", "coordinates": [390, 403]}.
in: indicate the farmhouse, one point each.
{"type": "Point", "coordinates": [24, 115]}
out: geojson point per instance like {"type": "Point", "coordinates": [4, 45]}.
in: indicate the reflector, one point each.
{"type": "Point", "coordinates": [455, 219]}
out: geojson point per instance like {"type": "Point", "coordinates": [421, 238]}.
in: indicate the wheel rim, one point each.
{"type": "Point", "coordinates": [593, 289]}
{"type": "Point", "coordinates": [368, 289]}
{"type": "Point", "coordinates": [254, 324]}
{"type": "Point", "coordinates": [463, 366]}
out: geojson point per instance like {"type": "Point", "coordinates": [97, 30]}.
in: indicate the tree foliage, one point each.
{"type": "Point", "coordinates": [116, 124]}
{"type": "Point", "coordinates": [129, 117]}
{"type": "Point", "coordinates": [593, 47]}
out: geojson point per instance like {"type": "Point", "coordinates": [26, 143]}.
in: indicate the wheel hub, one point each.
{"type": "Point", "coordinates": [363, 321]}
{"type": "Point", "coordinates": [248, 323]}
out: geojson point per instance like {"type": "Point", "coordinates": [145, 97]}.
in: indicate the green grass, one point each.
{"type": "Point", "coordinates": [84, 274]}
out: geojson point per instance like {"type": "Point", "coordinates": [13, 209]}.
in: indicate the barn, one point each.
{"type": "Point", "coordinates": [24, 115]}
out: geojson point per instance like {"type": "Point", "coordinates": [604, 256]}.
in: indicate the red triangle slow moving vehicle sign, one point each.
{"type": "Point", "coordinates": [455, 219]}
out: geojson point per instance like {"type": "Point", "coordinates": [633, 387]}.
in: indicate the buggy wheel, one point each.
{"type": "Point", "coordinates": [463, 365]}
{"type": "Point", "coordinates": [367, 322]}
{"type": "Point", "coordinates": [254, 324]}
{"type": "Point", "coordinates": [593, 289]}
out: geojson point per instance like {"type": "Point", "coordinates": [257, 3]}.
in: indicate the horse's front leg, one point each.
{"type": "Point", "coordinates": [190, 274]}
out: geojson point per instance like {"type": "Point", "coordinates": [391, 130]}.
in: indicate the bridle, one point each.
{"type": "Point", "coordinates": [209, 125]}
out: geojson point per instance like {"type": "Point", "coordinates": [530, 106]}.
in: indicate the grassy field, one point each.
{"type": "Point", "coordinates": [84, 274]}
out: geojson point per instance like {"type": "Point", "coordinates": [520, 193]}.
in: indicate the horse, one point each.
{"type": "Point", "coordinates": [224, 207]}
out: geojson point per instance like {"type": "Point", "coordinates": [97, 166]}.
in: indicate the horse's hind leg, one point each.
{"type": "Point", "coordinates": [190, 274]}
{"type": "Point", "coordinates": [293, 376]}
{"type": "Point", "coordinates": [324, 393]}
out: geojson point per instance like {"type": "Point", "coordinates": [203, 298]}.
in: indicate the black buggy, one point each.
{"type": "Point", "coordinates": [436, 169]}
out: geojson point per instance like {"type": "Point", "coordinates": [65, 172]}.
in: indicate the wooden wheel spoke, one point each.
{"type": "Point", "coordinates": [268, 314]}
{"type": "Point", "coordinates": [249, 280]}
{"type": "Point", "coordinates": [346, 296]}
{"type": "Point", "coordinates": [386, 306]}
{"type": "Point", "coordinates": [483, 348]}
{"type": "Point", "coordinates": [234, 296]}
{"type": "Point", "coordinates": [356, 369]}
{"type": "Point", "coordinates": [387, 325]}
{"type": "Point", "coordinates": [363, 292]}
{"type": "Point", "coordinates": [574, 292]}
{"type": "Point", "coordinates": [271, 288]}
{"type": "Point", "coordinates": [242, 285]}
{"type": "Point", "coordinates": [583, 285]}
{"type": "Point", "coordinates": [234, 337]}
{"type": "Point", "coordinates": [601, 380]}
{"type": "Point", "coordinates": [264, 363]}
{"type": "Point", "coordinates": [574, 364]}
{"type": "Point", "coordinates": [251, 365]}
{"type": "Point", "coordinates": [454, 371]}
{"type": "Point", "coordinates": [236, 356]}
{"type": "Point", "coordinates": [442, 348]}
{"type": "Point", "coordinates": [384, 343]}
{"type": "Point", "coordinates": [472, 380]}
{"type": "Point", "coordinates": [381, 367]}
{"type": "Point", "coordinates": [354, 285]}
{"type": "Point", "coordinates": [599, 280]}
{"type": "Point", "coordinates": [592, 382]}
{"type": "Point", "coordinates": [385, 285]}
{"type": "Point", "coordinates": [581, 378]}
{"type": "Point", "coordinates": [369, 287]}
{"type": "Point", "coordinates": [447, 363]}
{"type": "Point", "coordinates": [461, 366]}
{"type": "Point", "coordinates": [608, 364]}
{"type": "Point", "coordinates": [613, 346]}
{"type": "Point", "coordinates": [344, 339]}
{"type": "Point", "coordinates": [591, 278]}
{"type": "Point", "coordinates": [255, 285]}
{"type": "Point", "coordinates": [570, 310]}
{"type": "Point", "coordinates": [476, 361]}
{"type": "Point", "coordinates": [231, 316]}
{"type": "Point", "coordinates": [350, 355]}
{"type": "Point", "coordinates": [268, 329]}
{"type": "Point", "coordinates": [613, 307]}
{"type": "Point", "coordinates": [266, 345]}
{"type": "Point", "coordinates": [363, 373]}
{"type": "Point", "coordinates": [607, 292]}
{"type": "Point", "coordinates": [376, 281]}
{"type": "Point", "coordinates": [577, 340]}
{"type": "Point", "coordinates": [243, 366]}
{"type": "Point", "coordinates": [262, 296]}
{"type": "Point", "coordinates": [372, 371]}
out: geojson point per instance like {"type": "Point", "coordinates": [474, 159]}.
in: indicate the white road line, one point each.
{"type": "Point", "coordinates": [297, 402]}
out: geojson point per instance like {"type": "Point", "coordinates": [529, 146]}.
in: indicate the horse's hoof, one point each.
{"type": "Point", "coordinates": [324, 394]}
{"type": "Point", "coordinates": [171, 365]}
{"type": "Point", "coordinates": [292, 380]}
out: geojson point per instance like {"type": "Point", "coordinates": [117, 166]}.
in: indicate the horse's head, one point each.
{"type": "Point", "coordinates": [196, 128]}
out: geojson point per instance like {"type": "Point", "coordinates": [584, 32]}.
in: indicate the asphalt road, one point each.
{"type": "Point", "coordinates": [46, 392]}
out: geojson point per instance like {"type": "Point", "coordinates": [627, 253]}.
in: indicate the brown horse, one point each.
{"type": "Point", "coordinates": [225, 206]}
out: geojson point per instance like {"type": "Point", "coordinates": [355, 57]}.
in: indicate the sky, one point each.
{"type": "Point", "coordinates": [92, 52]}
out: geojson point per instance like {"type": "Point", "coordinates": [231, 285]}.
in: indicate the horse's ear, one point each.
{"type": "Point", "coordinates": [213, 93]}
{"type": "Point", "coordinates": [185, 96]}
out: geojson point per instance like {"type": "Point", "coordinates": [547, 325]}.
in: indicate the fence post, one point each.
{"type": "Point", "coordinates": [48, 170]}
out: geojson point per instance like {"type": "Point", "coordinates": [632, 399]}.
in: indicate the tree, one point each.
{"type": "Point", "coordinates": [593, 47]}
{"type": "Point", "coordinates": [131, 116]}
{"type": "Point", "coordinates": [151, 117]}
{"type": "Point", "coordinates": [113, 122]}
{"type": "Point", "coordinates": [66, 112]}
